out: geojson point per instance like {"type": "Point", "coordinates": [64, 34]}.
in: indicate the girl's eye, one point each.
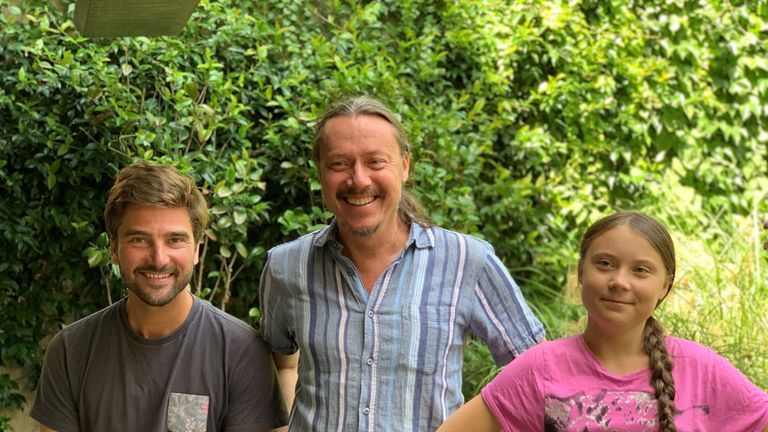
{"type": "Point", "coordinates": [603, 263]}
{"type": "Point", "coordinates": [642, 270]}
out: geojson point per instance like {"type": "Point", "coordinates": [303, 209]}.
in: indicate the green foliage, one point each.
{"type": "Point", "coordinates": [527, 117]}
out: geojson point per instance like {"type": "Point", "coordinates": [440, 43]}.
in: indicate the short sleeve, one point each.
{"type": "Point", "coordinates": [274, 321]}
{"type": "Point", "coordinates": [500, 315]}
{"type": "Point", "coordinates": [255, 399]}
{"type": "Point", "coordinates": [736, 403]}
{"type": "Point", "coordinates": [55, 405]}
{"type": "Point", "coordinates": [515, 396]}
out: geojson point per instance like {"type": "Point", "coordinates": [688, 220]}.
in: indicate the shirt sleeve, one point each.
{"type": "Point", "coordinates": [274, 322]}
{"type": "Point", "coordinates": [515, 397]}
{"type": "Point", "coordinates": [500, 315]}
{"type": "Point", "coordinates": [255, 399]}
{"type": "Point", "coordinates": [55, 405]}
{"type": "Point", "coordinates": [737, 404]}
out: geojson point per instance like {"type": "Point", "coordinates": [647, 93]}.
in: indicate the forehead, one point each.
{"type": "Point", "coordinates": [155, 220]}
{"type": "Point", "coordinates": [365, 132]}
{"type": "Point", "coordinates": [624, 242]}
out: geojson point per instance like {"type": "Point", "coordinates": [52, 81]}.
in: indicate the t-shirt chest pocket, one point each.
{"type": "Point", "coordinates": [426, 333]}
{"type": "Point", "coordinates": [188, 413]}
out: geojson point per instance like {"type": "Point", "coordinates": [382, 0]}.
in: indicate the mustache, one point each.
{"type": "Point", "coordinates": [352, 191]}
{"type": "Point", "coordinates": [155, 269]}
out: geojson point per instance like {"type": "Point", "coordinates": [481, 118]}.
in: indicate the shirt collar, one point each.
{"type": "Point", "coordinates": [421, 236]}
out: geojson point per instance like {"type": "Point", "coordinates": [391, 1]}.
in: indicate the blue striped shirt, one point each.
{"type": "Point", "coordinates": [391, 360]}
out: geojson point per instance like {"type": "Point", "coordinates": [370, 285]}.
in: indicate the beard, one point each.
{"type": "Point", "coordinates": [371, 190]}
{"type": "Point", "coordinates": [158, 296]}
{"type": "Point", "coordinates": [360, 232]}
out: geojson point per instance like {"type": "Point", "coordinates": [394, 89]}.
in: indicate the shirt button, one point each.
{"type": "Point", "coordinates": [366, 410]}
{"type": "Point", "coordinates": [370, 314]}
{"type": "Point", "coordinates": [370, 361]}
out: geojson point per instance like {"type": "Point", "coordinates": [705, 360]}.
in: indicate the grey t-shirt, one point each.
{"type": "Point", "coordinates": [214, 373]}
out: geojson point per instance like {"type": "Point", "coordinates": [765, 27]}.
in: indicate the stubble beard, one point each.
{"type": "Point", "coordinates": [361, 232]}
{"type": "Point", "coordinates": [365, 231]}
{"type": "Point", "coordinates": [181, 281]}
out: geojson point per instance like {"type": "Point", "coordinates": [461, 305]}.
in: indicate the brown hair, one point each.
{"type": "Point", "coordinates": [146, 183]}
{"type": "Point", "coordinates": [653, 335]}
{"type": "Point", "coordinates": [408, 208]}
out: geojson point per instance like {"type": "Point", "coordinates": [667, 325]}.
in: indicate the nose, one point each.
{"type": "Point", "coordinates": [358, 175]}
{"type": "Point", "coordinates": [158, 254]}
{"type": "Point", "coordinates": [619, 280]}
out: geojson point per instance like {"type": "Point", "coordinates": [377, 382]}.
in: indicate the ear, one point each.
{"type": "Point", "coordinates": [581, 271]}
{"type": "Point", "coordinates": [197, 252]}
{"type": "Point", "coordinates": [113, 251]}
{"type": "Point", "coordinates": [667, 288]}
{"type": "Point", "coordinates": [406, 165]}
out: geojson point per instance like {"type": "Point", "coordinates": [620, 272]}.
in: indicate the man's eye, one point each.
{"type": "Point", "coordinates": [137, 241]}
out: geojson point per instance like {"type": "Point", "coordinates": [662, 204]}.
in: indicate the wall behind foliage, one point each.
{"type": "Point", "coordinates": [526, 117]}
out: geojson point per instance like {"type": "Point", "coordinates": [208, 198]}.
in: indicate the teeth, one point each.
{"type": "Point", "coordinates": [157, 275]}
{"type": "Point", "coordinates": [360, 201]}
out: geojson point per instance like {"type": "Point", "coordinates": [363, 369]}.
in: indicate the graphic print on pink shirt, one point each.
{"type": "Point", "coordinates": [605, 409]}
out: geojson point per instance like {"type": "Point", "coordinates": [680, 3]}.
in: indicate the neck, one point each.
{"type": "Point", "coordinates": [619, 352]}
{"type": "Point", "coordinates": [386, 242]}
{"type": "Point", "coordinates": [155, 322]}
{"type": "Point", "coordinates": [372, 254]}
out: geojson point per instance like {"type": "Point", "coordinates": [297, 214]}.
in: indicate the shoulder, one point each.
{"type": "Point", "coordinates": [442, 238]}
{"type": "Point", "coordinates": [297, 244]}
{"type": "Point", "coordinates": [85, 327]}
{"type": "Point", "coordinates": [694, 361]}
{"type": "Point", "coordinates": [218, 330]}
{"type": "Point", "coordinates": [546, 354]}
{"type": "Point", "coordinates": [299, 247]}
{"type": "Point", "coordinates": [567, 347]}
{"type": "Point", "coordinates": [679, 348]}
{"type": "Point", "coordinates": [229, 324]}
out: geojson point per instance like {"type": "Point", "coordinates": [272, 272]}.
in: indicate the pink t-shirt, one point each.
{"type": "Point", "coordinates": [560, 386]}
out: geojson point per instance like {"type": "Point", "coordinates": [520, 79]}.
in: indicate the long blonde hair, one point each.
{"type": "Point", "coordinates": [653, 334]}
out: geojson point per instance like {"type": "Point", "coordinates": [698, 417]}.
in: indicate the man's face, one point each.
{"type": "Point", "coordinates": [156, 252]}
{"type": "Point", "coordinates": [362, 174]}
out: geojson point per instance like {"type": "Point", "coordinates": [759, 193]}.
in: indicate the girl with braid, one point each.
{"type": "Point", "coordinates": [622, 373]}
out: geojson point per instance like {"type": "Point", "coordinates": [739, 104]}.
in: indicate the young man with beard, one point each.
{"type": "Point", "coordinates": [367, 318]}
{"type": "Point", "coordinates": [159, 359]}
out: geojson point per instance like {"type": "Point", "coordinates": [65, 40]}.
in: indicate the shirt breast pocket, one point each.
{"type": "Point", "coordinates": [188, 413]}
{"type": "Point", "coordinates": [427, 335]}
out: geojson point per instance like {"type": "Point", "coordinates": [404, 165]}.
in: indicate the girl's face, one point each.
{"type": "Point", "coordinates": [623, 278]}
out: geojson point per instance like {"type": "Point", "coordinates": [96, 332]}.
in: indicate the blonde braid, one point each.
{"type": "Point", "coordinates": [661, 373]}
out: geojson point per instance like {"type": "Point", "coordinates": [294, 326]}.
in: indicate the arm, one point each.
{"type": "Point", "coordinates": [474, 416]}
{"type": "Point", "coordinates": [500, 315]}
{"type": "Point", "coordinates": [288, 374]}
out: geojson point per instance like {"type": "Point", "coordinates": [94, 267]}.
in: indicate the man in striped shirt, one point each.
{"type": "Point", "coordinates": [367, 318]}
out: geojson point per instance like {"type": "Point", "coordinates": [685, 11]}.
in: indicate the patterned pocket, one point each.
{"type": "Point", "coordinates": [187, 413]}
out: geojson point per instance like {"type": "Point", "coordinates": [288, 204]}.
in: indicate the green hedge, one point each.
{"type": "Point", "coordinates": [527, 118]}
